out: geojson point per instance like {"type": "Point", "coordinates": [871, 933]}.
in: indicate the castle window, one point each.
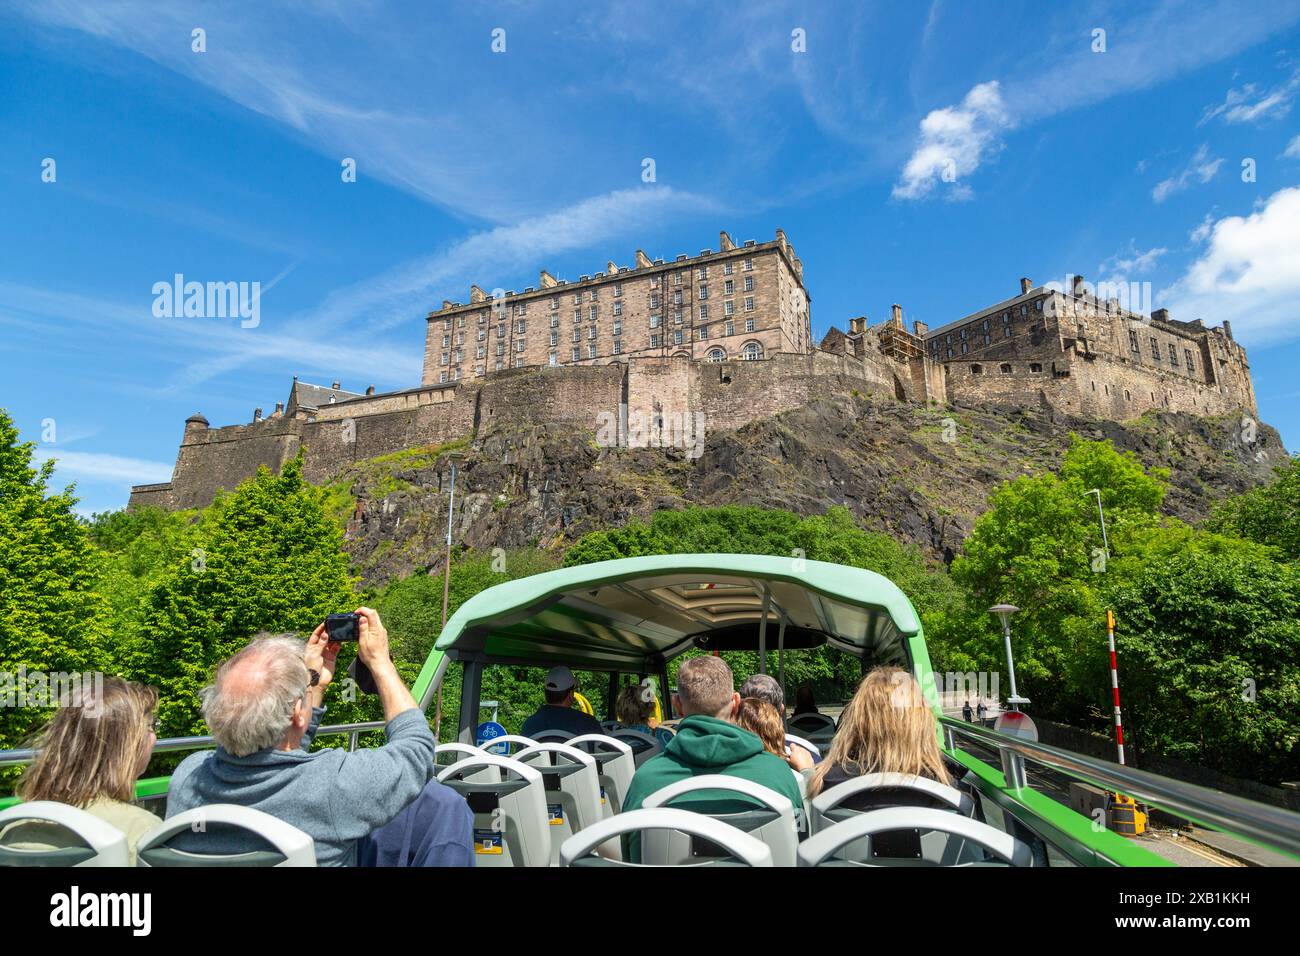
{"type": "Point", "coordinates": [703, 272]}
{"type": "Point", "coordinates": [654, 321]}
{"type": "Point", "coordinates": [479, 369]}
{"type": "Point", "coordinates": [577, 297]}
{"type": "Point", "coordinates": [950, 353]}
{"type": "Point", "coordinates": [591, 351]}
{"type": "Point", "coordinates": [731, 328]}
{"type": "Point", "coordinates": [460, 355]}
{"type": "Point", "coordinates": [1187, 354]}
{"type": "Point", "coordinates": [595, 294]}
{"type": "Point", "coordinates": [728, 308]}
{"type": "Point", "coordinates": [1024, 308]}
{"type": "Point", "coordinates": [618, 308]}
{"type": "Point", "coordinates": [728, 268]}
{"type": "Point", "coordinates": [749, 283]}
{"type": "Point", "coordinates": [1006, 318]}
{"type": "Point", "coordinates": [594, 312]}
{"type": "Point", "coordinates": [704, 312]}
{"type": "Point", "coordinates": [618, 328]}
{"type": "Point", "coordinates": [577, 335]}
{"type": "Point", "coordinates": [987, 338]}
{"type": "Point", "coordinates": [555, 322]}
{"type": "Point", "coordinates": [591, 331]}
{"type": "Point", "coordinates": [555, 338]}
{"type": "Point", "coordinates": [654, 341]}
{"type": "Point", "coordinates": [948, 338]}
{"type": "Point", "coordinates": [749, 325]}
{"type": "Point", "coordinates": [618, 289]}
{"type": "Point", "coordinates": [521, 308]}
{"type": "Point", "coordinates": [577, 315]}
{"type": "Point", "coordinates": [964, 348]}
{"type": "Point", "coordinates": [677, 278]}
{"type": "Point", "coordinates": [1005, 368]}
{"type": "Point", "coordinates": [446, 358]}
{"type": "Point", "coordinates": [1173, 355]}
{"type": "Point", "coordinates": [716, 355]}
{"type": "Point", "coordinates": [442, 378]}
{"type": "Point", "coordinates": [1155, 348]}
{"type": "Point", "coordinates": [749, 265]}
{"type": "Point", "coordinates": [446, 341]}
{"type": "Point", "coordinates": [500, 365]}
{"type": "Point", "coordinates": [618, 347]}
{"type": "Point", "coordinates": [729, 287]}
{"type": "Point", "coordinates": [1127, 396]}
{"type": "Point", "coordinates": [501, 348]}
{"type": "Point", "coordinates": [1035, 367]}
{"type": "Point", "coordinates": [480, 352]}
{"type": "Point", "coordinates": [1006, 331]}
{"type": "Point", "coordinates": [654, 300]}
{"type": "Point", "coordinates": [704, 331]}
{"type": "Point", "coordinates": [577, 353]}
{"type": "Point", "coordinates": [677, 337]}
{"type": "Point", "coordinates": [1094, 386]}
{"type": "Point", "coordinates": [752, 352]}
{"type": "Point", "coordinates": [555, 303]}
{"type": "Point", "coordinates": [963, 333]}
{"type": "Point", "coordinates": [552, 359]}
{"type": "Point", "coordinates": [482, 334]}
{"type": "Point", "coordinates": [986, 323]}
{"type": "Point", "coordinates": [677, 297]}
{"type": "Point", "coordinates": [977, 369]}
{"type": "Point", "coordinates": [519, 346]}
{"type": "Point", "coordinates": [522, 327]}
{"type": "Point", "coordinates": [482, 318]}
{"type": "Point", "coordinates": [678, 317]}
{"type": "Point", "coordinates": [1133, 341]}
{"type": "Point", "coordinates": [446, 323]}
{"type": "Point", "coordinates": [704, 291]}
{"type": "Point", "coordinates": [749, 303]}
{"type": "Point", "coordinates": [455, 374]}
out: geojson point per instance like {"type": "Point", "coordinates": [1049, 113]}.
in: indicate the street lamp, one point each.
{"type": "Point", "coordinates": [453, 457]}
{"type": "Point", "coordinates": [1105, 543]}
{"type": "Point", "coordinates": [1004, 611]}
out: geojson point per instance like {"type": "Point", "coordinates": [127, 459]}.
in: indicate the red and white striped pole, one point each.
{"type": "Point", "coordinates": [1114, 684]}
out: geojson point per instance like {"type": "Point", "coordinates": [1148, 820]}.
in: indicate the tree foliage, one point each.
{"type": "Point", "coordinates": [1269, 514]}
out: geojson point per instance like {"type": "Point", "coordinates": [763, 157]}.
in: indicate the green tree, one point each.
{"type": "Point", "coordinates": [51, 616]}
{"type": "Point", "coordinates": [1269, 514]}
{"type": "Point", "coordinates": [266, 557]}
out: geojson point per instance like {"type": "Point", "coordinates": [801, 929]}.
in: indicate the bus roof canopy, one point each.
{"type": "Point", "coordinates": [634, 614]}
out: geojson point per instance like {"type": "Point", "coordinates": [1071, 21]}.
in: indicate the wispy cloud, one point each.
{"type": "Point", "coordinates": [954, 141]}
{"type": "Point", "coordinates": [1248, 272]}
{"type": "Point", "coordinates": [1292, 150]}
{"type": "Point", "coordinates": [1132, 261]}
{"type": "Point", "coordinates": [1201, 168]}
{"type": "Point", "coordinates": [98, 466]}
{"type": "Point", "coordinates": [1250, 104]}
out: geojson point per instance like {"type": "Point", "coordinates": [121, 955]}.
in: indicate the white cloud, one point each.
{"type": "Point", "coordinates": [1248, 104]}
{"type": "Point", "coordinates": [1203, 230]}
{"type": "Point", "coordinates": [954, 141]}
{"type": "Point", "coordinates": [1292, 150]}
{"type": "Point", "coordinates": [1130, 260]}
{"type": "Point", "coordinates": [1249, 273]}
{"type": "Point", "coordinates": [98, 466]}
{"type": "Point", "coordinates": [1201, 168]}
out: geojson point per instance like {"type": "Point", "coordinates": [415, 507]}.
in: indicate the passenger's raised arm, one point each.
{"type": "Point", "coordinates": [372, 650]}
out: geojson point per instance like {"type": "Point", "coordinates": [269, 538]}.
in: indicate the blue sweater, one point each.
{"type": "Point", "coordinates": [334, 796]}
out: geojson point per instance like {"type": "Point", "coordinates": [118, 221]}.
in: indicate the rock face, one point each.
{"type": "Point", "coordinates": [921, 475]}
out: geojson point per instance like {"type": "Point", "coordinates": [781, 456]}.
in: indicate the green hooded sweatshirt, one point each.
{"type": "Point", "coordinates": [706, 745]}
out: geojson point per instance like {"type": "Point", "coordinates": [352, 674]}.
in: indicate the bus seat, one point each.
{"type": "Point", "coordinates": [510, 822]}
{"type": "Point", "coordinates": [661, 828]}
{"type": "Point", "coordinates": [878, 791]}
{"type": "Point", "coordinates": [551, 737]}
{"type": "Point", "coordinates": [286, 845]}
{"type": "Point", "coordinates": [836, 845]}
{"type": "Point", "coordinates": [89, 841]}
{"type": "Point", "coordinates": [572, 788]}
{"type": "Point", "coordinates": [817, 728]}
{"type": "Point", "coordinates": [644, 746]}
{"type": "Point", "coordinates": [615, 765]}
{"type": "Point", "coordinates": [773, 822]}
{"type": "Point", "coordinates": [458, 752]}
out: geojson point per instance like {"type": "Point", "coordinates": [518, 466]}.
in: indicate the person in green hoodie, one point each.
{"type": "Point", "coordinates": [708, 741]}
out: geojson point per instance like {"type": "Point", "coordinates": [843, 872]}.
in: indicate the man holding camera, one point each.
{"type": "Point", "coordinates": [263, 710]}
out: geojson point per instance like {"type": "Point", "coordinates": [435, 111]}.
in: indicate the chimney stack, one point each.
{"type": "Point", "coordinates": [919, 329]}
{"type": "Point", "coordinates": [279, 408]}
{"type": "Point", "coordinates": [370, 390]}
{"type": "Point", "coordinates": [1160, 315]}
{"type": "Point", "coordinates": [896, 315]}
{"type": "Point", "coordinates": [1227, 329]}
{"type": "Point", "coordinates": [257, 415]}
{"type": "Point", "coordinates": [476, 294]}
{"type": "Point", "coordinates": [642, 260]}
{"type": "Point", "coordinates": [1025, 285]}
{"type": "Point", "coordinates": [336, 386]}
{"type": "Point", "coordinates": [546, 281]}
{"type": "Point", "coordinates": [725, 242]}
{"type": "Point", "coordinates": [1077, 288]}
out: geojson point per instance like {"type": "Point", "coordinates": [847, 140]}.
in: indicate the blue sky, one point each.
{"type": "Point", "coordinates": [1116, 155]}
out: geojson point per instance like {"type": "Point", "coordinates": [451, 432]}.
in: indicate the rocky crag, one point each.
{"type": "Point", "coordinates": [920, 474]}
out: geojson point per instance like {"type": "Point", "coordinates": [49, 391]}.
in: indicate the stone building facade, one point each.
{"type": "Point", "coordinates": [633, 383]}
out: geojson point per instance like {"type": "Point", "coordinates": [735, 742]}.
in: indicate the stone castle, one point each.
{"type": "Point", "coordinates": [720, 339]}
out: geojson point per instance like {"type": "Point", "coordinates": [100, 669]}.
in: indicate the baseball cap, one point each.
{"type": "Point", "coordinates": [560, 678]}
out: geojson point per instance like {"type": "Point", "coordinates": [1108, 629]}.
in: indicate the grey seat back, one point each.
{"type": "Point", "coordinates": [644, 746]}
{"type": "Point", "coordinates": [286, 845]}
{"type": "Point", "coordinates": [875, 791]}
{"type": "Point", "coordinates": [89, 841]}
{"type": "Point", "coordinates": [510, 822]}
{"type": "Point", "coordinates": [615, 765]}
{"type": "Point", "coordinates": [773, 821]}
{"type": "Point", "coordinates": [572, 788]}
{"type": "Point", "coordinates": [662, 825]}
{"type": "Point", "coordinates": [834, 845]}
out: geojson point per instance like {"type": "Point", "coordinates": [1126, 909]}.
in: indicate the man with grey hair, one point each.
{"type": "Point", "coordinates": [708, 741]}
{"type": "Point", "coordinates": [764, 687]}
{"type": "Point", "coordinates": [263, 710]}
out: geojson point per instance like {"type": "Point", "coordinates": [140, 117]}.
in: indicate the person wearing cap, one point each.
{"type": "Point", "coordinates": [558, 712]}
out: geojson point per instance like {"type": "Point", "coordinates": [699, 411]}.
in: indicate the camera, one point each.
{"type": "Point", "coordinates": [343, 627]}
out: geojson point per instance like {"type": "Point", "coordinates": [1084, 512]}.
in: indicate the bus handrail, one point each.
{"type": "Point", "coordinates": [18, 758]}
{"type": "Point", "coordinates": [1271, 826]}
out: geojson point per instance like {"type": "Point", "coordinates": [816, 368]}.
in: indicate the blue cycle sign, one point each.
{"type": "Point", "coordinates": [488, 730]}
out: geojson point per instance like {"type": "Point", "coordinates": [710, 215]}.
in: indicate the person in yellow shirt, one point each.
{"type": "Point", "coordinates": [90, 755]}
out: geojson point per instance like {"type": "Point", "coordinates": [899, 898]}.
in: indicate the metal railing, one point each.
{"type": "Point", "coordinates": [1258, 822]}
{"type": "Point", "coordinates": [18, 758]}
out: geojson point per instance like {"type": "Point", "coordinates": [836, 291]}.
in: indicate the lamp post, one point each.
{"type": "Point", "coordinates": [1105, 542]}
{"type": "Point", "coordinates": [453, 457]}
{"type": "Point", "coordinates": [1004, 612]}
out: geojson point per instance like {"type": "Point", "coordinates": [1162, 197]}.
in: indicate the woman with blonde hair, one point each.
{"type": "Point", "coordinates": [90, 755]}
{"type": "Point", "coordinates": [886, 728]}
{"type": "Point", "coordinates": [635, 709]}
